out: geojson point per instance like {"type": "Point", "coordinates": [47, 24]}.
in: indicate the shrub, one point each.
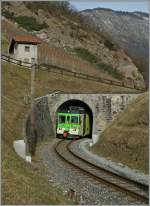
{"type": "Point", "coordinates": [109, 45]}
{"type": "Point", "coordinates": [61, 9]}
{"type": "Point", "coordinates": [85, 54]}
{"type": "Point", "coordinates": [7, 14]}
{"type": "Point", "coordinates": [54, 7]}
{"type": "Point", "coordinates": [110, 70]}
{"type": "Point", "coordinates": [30, 23]}
{"type": "Point", "coordinates": [27, 22]}
{"type": "Point", "coordinates": [134, 74]}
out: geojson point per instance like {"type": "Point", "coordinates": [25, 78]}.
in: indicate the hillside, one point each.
{"type": "Point", "coordinates": [17, 174]}
{"type": "Point", "coordinates": [129, 30]}
{"type": "Point", "coordinates": [69, 43]}
{"type": "Point", "coordinates": [78, 44]}
{"type": "Point", "coordinates": [126, 139]}
{"type": "Point", "coordinates": [21, 181]}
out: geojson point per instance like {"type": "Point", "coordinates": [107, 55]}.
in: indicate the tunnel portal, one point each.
{"type": "Point", "coordinates": [75, 105]}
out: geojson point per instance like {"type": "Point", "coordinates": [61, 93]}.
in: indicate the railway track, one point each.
{"type": "Point", "coordinates": [132, 188]}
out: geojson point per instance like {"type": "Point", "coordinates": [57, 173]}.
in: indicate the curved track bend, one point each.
{"type": "Point", "coordinates": [132, 188]}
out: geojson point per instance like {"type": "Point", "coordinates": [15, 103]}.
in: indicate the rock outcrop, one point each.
{"type": "Point", "coordinates": [130, 30]}
{"type": "Point", "coordinates": [68, 34]}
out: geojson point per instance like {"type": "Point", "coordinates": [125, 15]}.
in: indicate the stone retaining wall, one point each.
{"type": "Point", "coordinates": [42, 127]}
{"type": "Point", "coordinates": [105, 108]}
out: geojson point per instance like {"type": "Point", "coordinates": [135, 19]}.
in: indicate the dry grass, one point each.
{"type": "Point", "coordinates": [21, 182]}
{"type": "Point", "coordinates": [61, 58]}
{"type": "Point", "coordinates": [126, 139]}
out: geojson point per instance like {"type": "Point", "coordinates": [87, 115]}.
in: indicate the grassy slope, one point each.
{"type": "Point", "coordinates": [22, 182]}
{"type": "Point", "coordinates": [126, 139]}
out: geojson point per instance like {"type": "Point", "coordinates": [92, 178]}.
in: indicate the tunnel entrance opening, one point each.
{"type": "Point", "coordinates": [80, 114]}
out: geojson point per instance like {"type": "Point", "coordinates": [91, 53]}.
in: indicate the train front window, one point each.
{"type": "Point", "coordinates": [68, 120]}
{"type": "Point", "coordinates": [62, 119]}
{"type": "Point", "coordinates": [74, 119]}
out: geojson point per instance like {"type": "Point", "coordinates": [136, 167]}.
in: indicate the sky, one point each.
{"type": "Point", "coordinates": [122, 5]}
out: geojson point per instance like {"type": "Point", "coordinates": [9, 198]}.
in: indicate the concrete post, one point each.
{"type": "Point", "coordinates": [32, 92]}
{"type": "Point", "coordinates": [28, 155]}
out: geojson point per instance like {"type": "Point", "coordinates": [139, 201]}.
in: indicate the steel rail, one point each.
{"type": "Point", "coordinates": [128, 186]}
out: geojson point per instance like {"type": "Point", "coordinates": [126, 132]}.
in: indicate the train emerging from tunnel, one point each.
{"type": "Point", "coordinates": [73, 123]}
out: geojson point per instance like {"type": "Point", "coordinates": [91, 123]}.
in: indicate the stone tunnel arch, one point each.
{"type": "Point", "coordinates": [77, 103]}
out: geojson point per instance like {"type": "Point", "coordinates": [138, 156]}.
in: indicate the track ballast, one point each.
{"type": "Point", "coordinates": [132, 188]}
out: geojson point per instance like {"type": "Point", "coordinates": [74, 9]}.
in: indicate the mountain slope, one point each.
{"type": "Point", "coordinates": [127, 29]}
{"type": "Point", "coordinates": [72, 36]}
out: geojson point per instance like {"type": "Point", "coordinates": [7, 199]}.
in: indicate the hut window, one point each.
{"type": "Point", "coordinates": [27, 48]}
{"type": "Point", "coordinates": [33, 60]}
{"type": "Point", "coordinates": [26, 60]}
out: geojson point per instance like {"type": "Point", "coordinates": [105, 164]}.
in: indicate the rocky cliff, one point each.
{"type": "Point", "coordinates": [127, 29]}
{"type": "Point", "coordinates": [65, 31]}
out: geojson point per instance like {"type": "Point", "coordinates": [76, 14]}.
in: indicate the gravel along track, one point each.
{"type": "Point", "coordinates": [86, 190]}
{"type": "Point", "coordinates": [138, 190]}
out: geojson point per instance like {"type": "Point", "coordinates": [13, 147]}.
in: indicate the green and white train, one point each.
{"type": "Point", "coordinates": [74, 123]}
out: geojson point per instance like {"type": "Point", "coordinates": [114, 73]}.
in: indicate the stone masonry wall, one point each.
{"type": "Point", "coordinates": [42, 127]}
{"type": "Point", "coordinates": [105, 108]}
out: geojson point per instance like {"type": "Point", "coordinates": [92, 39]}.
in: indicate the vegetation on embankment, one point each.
{"type": "Point", "coordinates": [18, 176]}
{"type": "Point", "coordinates": [28, 23]}
{"type": "Point", "coordinates": [66, 30]}
{"type": "Point", "coordinates": [22, 183]}
{"type": "Point", "coordinates": [126, 139]}
{"type": "Point", "coordinates": [88, 56]}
